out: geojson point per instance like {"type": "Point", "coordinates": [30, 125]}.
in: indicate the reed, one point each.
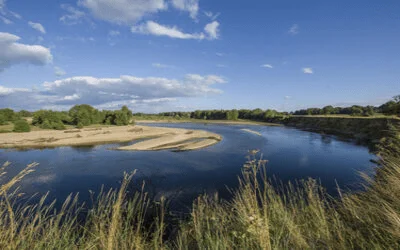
{"type": "Point", "coordinates": [259, 216]}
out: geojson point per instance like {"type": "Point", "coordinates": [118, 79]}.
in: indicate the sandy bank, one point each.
{"type": "Point", "coordinates": [154, 138]}
{"type": "Point", "coordinates": [251, 131]}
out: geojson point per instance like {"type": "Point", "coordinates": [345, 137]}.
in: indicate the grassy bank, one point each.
{"type": "Point", "coordinates": [301, 216]}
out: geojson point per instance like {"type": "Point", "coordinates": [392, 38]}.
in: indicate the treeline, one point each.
{"type": "Point", "coordinates": [390, 108]}
{"type": "Point", "coordinates": [256, 114]}
{"type": "Point", "coordinates": [8, 115]}
{"type": "Point", "coordinates": [78, 116]}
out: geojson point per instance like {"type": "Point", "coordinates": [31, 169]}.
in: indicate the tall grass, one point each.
{"type": "Point", "coordinates": [259, 216]}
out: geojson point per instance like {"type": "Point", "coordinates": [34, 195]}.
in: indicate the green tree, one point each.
{"type": "Point", "coordinates": [8, 114]}
{"type": "Point", "coordinates": [328, 110]}
{"type": "Point", "coordinates": [121, 118]}
{"type": "Point", "coordinates": [21, 126]}
{"type": "Point", "coordinates": [3, 120]}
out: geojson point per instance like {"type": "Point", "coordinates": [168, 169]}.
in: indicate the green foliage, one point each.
{"type": "Point", "coordinates": [232, 115]}
{"type": "Point", "coordinates": [79, 125]}
{"type": "Point", "coordinates": [3, 120]}
{"type": "Point", "coordinates": [8, 114]}
{"type": "Point", "coordinates": [392, 107]}
{"type": "Point", "coordinates": [21, 126]}
{"type": "Point", "coordinates": [24, 113]}
{"type": "Point", "coordinates": [47, 119]}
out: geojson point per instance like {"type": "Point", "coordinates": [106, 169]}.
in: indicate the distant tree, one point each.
{"type": "Point", "coordinates": [21, 126]}
{"type": "Point", "coordinates": [328, 110]}
{"type": "Point", "coordinates": [369, 111]}
{"type": "Point", "coordinates": [84, 114]}
{"type": "Point", "coordinates": [24, 113]}
{"type": "Point", "coordinates": [232, 115]}
{"type": "Point", "coordinates": [121, 118]}
{"type": "Point", "coordinates": [47, 119]}
{"type": "Point", "coordinates": [3, 120]}
{"type": "Point", "coordinates": [356, 110]}
{"type": "Point", "coordinates": [8, 114]}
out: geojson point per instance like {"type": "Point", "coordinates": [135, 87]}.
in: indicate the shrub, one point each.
{"type": "Point", "coordinates": [21, 126]}
{"type": "Point", "coordinates": [45, 125]}
{"type": "Point", "coordinates": [3, 120]}
{"type": "Point", "coordinates": [58, 126]}
{"type": "Point", "coordinates": [80, 125]}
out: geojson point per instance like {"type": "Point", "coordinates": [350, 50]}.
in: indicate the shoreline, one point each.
{"type": "Point", "coordinates": [150, 138]}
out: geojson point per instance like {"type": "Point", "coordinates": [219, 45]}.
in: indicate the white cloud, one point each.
{"type": "Point", "coordinates": [7, 91]}
{"type": "Point", "coordinates": [156, 29]}
{"type": "Point", "coordinates": [162, 66]}
{"type": "Point", "coordinates": [2, 4]}
{"type": "Point", "coordinates": [107, 92]}
{"type": "Point", "coordinates": [5, 20]}
{"type": "Point", "coordinates": [114, 33]}
{"type": "Point", "coordinates": [212, 30]}
{"type": "Point", "coordinates": [219, 54]}
{"type": "Point", "coordinates": [37, 26]}
{"type": "Point", "coordinates": [308, 71]}
{"type": "Point", "coordinates": [15, 53]}
{"type": "Point", "coordinates": [294, 30]}
{"type": "Point", "coordinates": [59, 71]}
{"type": "Point", "coordinates": [269, 66]}
{"type": "Point", "coordinates": [211, 15]}
{"type": "Point", "coordinates": [73, 16]}
{"type": "Point", "coordinates": [288, 97]}
{"type": "Point", "coordinates": [123, 11]}
{"type": "Point", "coordinates": [221, 66]}
{"type": "Point", "coordinates": [191, 6]}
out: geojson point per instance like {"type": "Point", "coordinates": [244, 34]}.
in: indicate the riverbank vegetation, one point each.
{"type": "Point", "coordinates": [259, 216]}
{"type": "Point", "coordinates": [80, 116]}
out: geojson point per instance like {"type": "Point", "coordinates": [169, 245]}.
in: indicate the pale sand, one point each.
{"type": "Point", "coordinates": [251, 131]}
{"type": "Point", "coordinates": [155, 138]}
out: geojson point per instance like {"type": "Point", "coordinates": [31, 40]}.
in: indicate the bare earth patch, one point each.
{"type": "Point", "coordinates": [155, 138]}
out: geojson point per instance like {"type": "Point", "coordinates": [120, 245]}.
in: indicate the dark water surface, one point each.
{"type": "Point", "coordinates": [182, 176]}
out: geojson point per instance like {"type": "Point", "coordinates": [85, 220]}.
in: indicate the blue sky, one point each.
{"type": "Point", "coordinates": [164, 55]}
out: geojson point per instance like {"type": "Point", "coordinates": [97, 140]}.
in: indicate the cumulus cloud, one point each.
{"type": "Point", "coordinates": [123, 11]}
{"type": "Point", "coordinates": [73, 15]}
{"type": "Point", "coordinates": [269, 66]}
{"type": "Point", "coordinates": [153, 28]}
{"type": "Point", "coordinates": [191, 6]}
{"type": "Point", "coordinates": [308, 71]}
{"type": "Point", "coordinates": [106, 92]}
{"type": "Point", "coordinates": [212, 30]}
{"type": "Point", "coordinates": [13, 52]}
{"type": "Point", "coordinates": [37, 26]}
{"type": "Point", "coordinates": [294, 30]}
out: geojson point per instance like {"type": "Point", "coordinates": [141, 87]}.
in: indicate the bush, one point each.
{"type": "Point", "coordinates": [45, 125]}
{"type": "Point", "coordinates": [21, 126]}
{"type": "Point", "coordinates": [58, 126]}
{"type": "Point", "coordinates": [80, 125]}
{"type": "Point", "coordinates": [3, 120]}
